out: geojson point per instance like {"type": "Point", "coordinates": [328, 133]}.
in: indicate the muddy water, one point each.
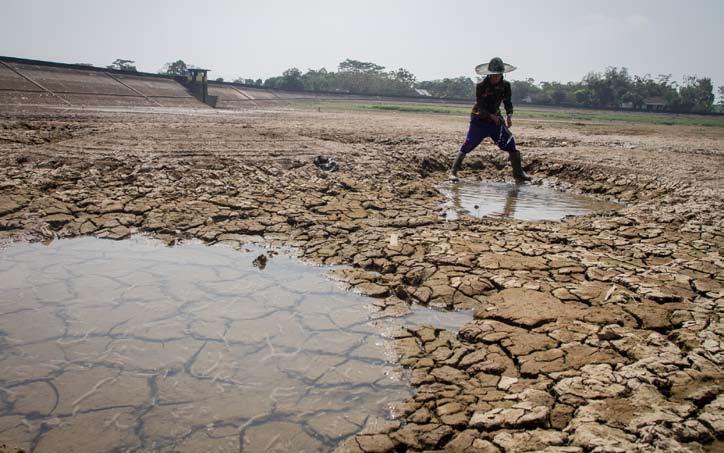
{"type": "Point", "coordinates": [130, 345]}
{"type": "Point", "coordinates": [515, 201]}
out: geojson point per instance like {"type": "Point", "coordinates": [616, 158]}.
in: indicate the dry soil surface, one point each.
{"type": "Point", "coordinates": [595, 333]}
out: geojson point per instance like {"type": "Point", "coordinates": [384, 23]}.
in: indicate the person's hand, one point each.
{"type": "Point", "coordinates": [495, 119]}
{"type": "Point", "coordinates": [509, 120]}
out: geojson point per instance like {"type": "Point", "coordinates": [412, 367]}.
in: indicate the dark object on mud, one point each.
{"type": "Point", "coordinates": [325, 163]}
{"type": "Point", "coordinates": [8, 449]}
{"type": "Point", "coordinates": [260, 262]}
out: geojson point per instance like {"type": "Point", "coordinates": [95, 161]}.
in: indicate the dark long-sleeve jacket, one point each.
{"type": "Point", "coordinates": [488, 98]}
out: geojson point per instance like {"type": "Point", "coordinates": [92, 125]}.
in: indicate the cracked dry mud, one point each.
{"type": "Point", "coordinates": [596, 333]}
{"type": "Point", "coordinates": [132, 345]}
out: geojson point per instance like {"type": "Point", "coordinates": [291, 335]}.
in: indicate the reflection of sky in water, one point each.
{"type": "Point", "coordinates": [515, 201]}
{"type": "Point", "coordinates": [112, 345]}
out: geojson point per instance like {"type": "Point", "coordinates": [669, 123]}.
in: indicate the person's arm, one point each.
{"type": "Point", "coordinates": [508, 103]}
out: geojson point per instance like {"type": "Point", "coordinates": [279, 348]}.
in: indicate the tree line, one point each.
{"type": "Point", "coordinates": [616, 88]}
{"type": "Point", "coordinates": [611, 88]}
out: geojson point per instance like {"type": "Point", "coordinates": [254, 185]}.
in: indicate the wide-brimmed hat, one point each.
{"type": "Point", "coordinates": [495, 66]}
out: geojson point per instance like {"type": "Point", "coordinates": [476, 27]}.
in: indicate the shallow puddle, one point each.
{"type": "Point", "coordinates": [131, 345]}
{"type": "Point", "coordinates": [515, 201]}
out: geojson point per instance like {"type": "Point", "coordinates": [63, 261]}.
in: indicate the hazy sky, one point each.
{"type": "Point", "coordinates": [548, 40]}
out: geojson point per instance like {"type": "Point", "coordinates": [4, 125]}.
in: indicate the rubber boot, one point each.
{"type": "Point", "coordinates": [456, 166]}
{"type": "Point", "coordinates": [518, 173]}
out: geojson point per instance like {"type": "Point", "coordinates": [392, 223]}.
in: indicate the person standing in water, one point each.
{"type": "Point", "coordinates": [486, 119]}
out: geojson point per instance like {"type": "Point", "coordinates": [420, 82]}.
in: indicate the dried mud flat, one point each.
{"type": "Point", "coordinates": [595, 333]}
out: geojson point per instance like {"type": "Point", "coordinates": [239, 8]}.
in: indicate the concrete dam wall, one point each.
{"type": "Point", "coordinates": [31, 82]}
{"type": "Point", "coordinates": [27, 82]}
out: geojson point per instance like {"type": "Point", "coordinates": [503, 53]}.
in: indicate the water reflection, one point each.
{"type": "Point", "coordinates": [133, 346]}
{"type": "Point", "coordinates": [514, 201]}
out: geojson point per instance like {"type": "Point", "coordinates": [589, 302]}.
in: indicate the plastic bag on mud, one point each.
{"type": "Point", "coordinates": [325, 163]}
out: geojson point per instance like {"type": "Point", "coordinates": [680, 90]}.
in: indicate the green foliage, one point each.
{"type": "Point", "coordinates": [369, 78]}
{"type": "Point", "coordinates": [554, 93]}
{"type": "Point", "coordinates": [352, 77]}
{"type": "Point", "coordinates": [291, 79]}
{"type": "Point", "coordinates": [615, 88]}
{"type": "Point", "coordinates": [524, 90]}
{"type": "Point", "coordinates": [257, 82]}
{"type": "Point", "coordinates": [123, 65]}
{"type": "Point", "coordinates": [696, 95]}
{"type": "Point", "coordinates": [359, 67]}
{"type": "Point", "coordinates": [404, 77]}
{"type": "Point", "coordinates": [612, 88]}
{"type": "Point", "coordinates": [175, 68]}
{"type": "Point", "coordinates": [582, 96]}
{"type": "Point", "coordinates": [457, 88]}
{"type": "Point", "coordinates": [319, 80]}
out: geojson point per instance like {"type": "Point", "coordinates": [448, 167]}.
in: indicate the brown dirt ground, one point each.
{"type": "Point", "coordinates": [596, 333]}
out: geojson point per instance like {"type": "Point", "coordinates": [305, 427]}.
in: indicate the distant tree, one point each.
{"type": "Point", "coordinates": [245, 81]}
{"type": "Point", "coordinates": [359, 66]}
{"type": "Point", "coordinates": [366, 77]}
{"type": "Point", "coordinates": [176, 68]}
{"type": "Point", "coordinates": [219, 79]}
{"type": "Point", "coordinates": [633, 98]}
{"type": "Point", "coordinates": [319, 80]}
{"type": "Point", "coordinates": [641, 88]}
{"type": "Point", "coordinates": [399, 82]}
{"type": "Point", "coordinates": [83, 64]}
{"type": "Point", "coordinates": [558, 97]}
{"type": "Point", "coordinates": [620, 82]}
{"type": "Point", "coordinates": [123, 65]}
{"type": "Point", "coordinates": [544, 98]}
{"type": "Point", "coordinates": [600, 94]}
{"type": "Point", "coordinates": [362, 77]}
{"type": "Point", "coordinates": [403, 77]}
{"type": "Point", "coordinates": [523, 89]}
{"type": "Point", "coordinates": [457, 88]}
{"type": "Point", "coordinates": [668, 89]}
{"type": "Point", "coordinates": [272, 82]}
{"type": "Point", "coordinates": [555, 93]}
{"type": "Point", "coordinates": [352, 76]}
{"type": "Point", "coordinates": [582, 96]}
{"type": "Point", "coordinates": [607, 89]}
{"type": "Point", "coordinates": [291, 79]}
{"type": "Point", "coordinates": [696, 94]}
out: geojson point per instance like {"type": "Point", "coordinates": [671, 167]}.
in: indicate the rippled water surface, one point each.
{"type": "Point", "coordinates": [515, 201]}
{"type": "Point", "coordinates": [131, 345]}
